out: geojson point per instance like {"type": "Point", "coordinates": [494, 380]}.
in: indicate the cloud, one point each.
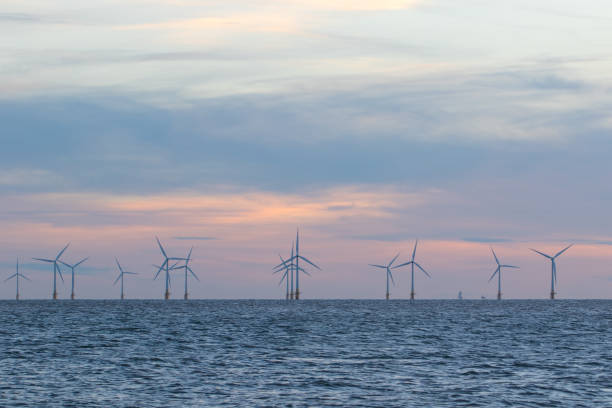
{"type": "Point", "coordinates": [487, 240]}
{"type": "Point", "coordinates": [240, 22]}
{"type": "Point", "coordinates": [357, 5]}
{"type": "Point", "coordinates": [195, 238]}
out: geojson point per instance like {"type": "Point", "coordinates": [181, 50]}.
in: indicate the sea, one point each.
{"type": "Point", "coordinates": [307, 353]}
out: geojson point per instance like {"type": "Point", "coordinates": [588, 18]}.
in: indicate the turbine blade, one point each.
{"type": "Point", "coordinates": [494, 273]}
{"type": "Point", "coordinates": [61, 252]}
{"type": "Point", "coordinates": [59, 270]}
{"type": "Point", "coordinates": [131, 273]}
{"type": "Point", "coordinates": [119, 265]}
{"type": "Point", "coordinates": [306, 272]}
{"type": "Point", "coordinates": [421, 268]}
{"type": "Point", "coordinates": [541, 253]}
{"type": "Point", "coordinates": [391, 275]}
{"type": "Point", "coordinates": [160, 269]}
{"type": "Point", "coordinates": [404, 264]}
{"type": "Point", "coordinates": [117, 280]}
{"type": "Point", "coordinates": [194, 275]}
{"type": "Point", "coordinates": [393, 260]}
{"type": "Point", "coordinates": [414, 250]}
{"type": "Point", "coordinates": [285, 262]}
{"type": "Point", "coordinates": [189, 255]}
{"type": "Point", "coordinates": [510, 266]}
{"type": "Point", "coordinates": [496, 260]}
{"type": "Point", "coordinates": [65, 264]}
{"type": "Point", "coordinates": [81, 261]}
{"type": "Point", "coordinates": [161, 248]}
{"type": "Point", "coordinates": [306, 259]}
{"type": "Point", "coordinates": [282, 279]}
{"type": "Point", "coordinates": [378, 266]}
{"type": "Point", "coordinates": [25, 277]}
{"type": "Point", "coordinates": [563, 250]}
{"type": "Point", "coordinates": [44, 260]}
{"type": "Point", "coordinates": [11, 277]}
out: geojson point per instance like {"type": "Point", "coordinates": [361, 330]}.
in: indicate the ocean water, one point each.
{"type": "Point", "coordinates": [370, 353]}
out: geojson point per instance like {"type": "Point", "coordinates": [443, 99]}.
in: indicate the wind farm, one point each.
{"type": "Point", "coordinates": [289, 269]}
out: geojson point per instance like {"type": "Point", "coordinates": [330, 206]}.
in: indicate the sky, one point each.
{"type": "Point", "coordinates": [226, 125]}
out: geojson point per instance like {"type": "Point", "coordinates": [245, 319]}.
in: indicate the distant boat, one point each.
{"type": "Point", "coordinates": [483, 298]}
{"type": "Point", "coordinates": [460, 296]}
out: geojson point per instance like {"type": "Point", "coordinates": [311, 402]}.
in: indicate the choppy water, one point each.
{"type": "Point", "coordinates": [311, 353]}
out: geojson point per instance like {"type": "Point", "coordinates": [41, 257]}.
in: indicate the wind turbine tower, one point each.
{"type": "Point", "coordinates": [498, 271]}
{"type": "Point", "coordinates": [389, 274]}
{"type": "Point", "coordinates": [17, 275]}
{"type": "Point", "coordinates": [553, 273]}
{"type": "Point", "coordinates": [72, 268]}
{"type": "Point", "coordinates": [56, 269]}
{"type": "Point", "coordinates": [121, 273]}
{"type": "Point", "coordinates": [412, 264]}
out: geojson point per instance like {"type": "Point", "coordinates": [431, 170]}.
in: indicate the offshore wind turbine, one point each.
{"type": "Point", "coordinates": [553, 273]}
{"type": "Point", "coordinates": [412, 264]}
{"type": "Point", "coordinates": [297, 257]}
{"type": "Point", "coordinates": [497, 272]}
{"type": "Point", "coordinates": [167, 267]}
{"type": "Point", "coordinates": [389, 274]}
{"type": "Point", "coordinates": [72, 268]}
{"type": "Point", "coordinates": [289, 267]}
{"type": "Point", "coordinates": [56, 269]}
{"type": "Point", "coordinates": [121, 273]}
{"type": "Point", "coordinates": [17, 275]}
{"type": "Point", "coordinates": [187, 269]}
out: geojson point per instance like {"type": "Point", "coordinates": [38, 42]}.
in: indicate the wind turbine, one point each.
{"type": "Point", "coordinates": [389, 274]}
{"type": "Point", "coordinates": [56, 269]}
{"type": "Point", "coordinates": [121, 273]}
{"type": "Point", "coordinates": [412, 264]}
{"type": "Point", "coordinates": [297, 269]}
{"type": "Point", "coordinates": [72, 268]}
{"type": "Point", "coordinates": [187, 269]}
{"type": "Point", "coordinates": [167, 267]}
{"type": "Point", "coordinates": [17, 275]}
{"type": "Point", "coordinates": [553, 273]}
{"type": "Point", "coordinates": [498, 271]}
{"type": "Point", "coordinates": [288, 267]}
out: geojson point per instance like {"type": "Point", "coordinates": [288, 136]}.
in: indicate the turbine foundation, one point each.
{"type": "Point", "coordinates": [552, 295]}
{"type": "Point", "coordinates": [498, 295]}
{"type": "Point", "coordinates": [54, 295]}
{"type": "Point", "coordinates": [297, 295]}
{"type": "Point", "coordinates": [167, 295]}
{"type": "Point", "coordinates": [17, 297]}
{"type": "Point", "coordinates": [411, 295]}
{"type": "Point", "coordinates": [122, 297]}
{"type": "Point", "coordinates": [186, 297]}
{"type": "Point", "coordinates": [72, 296]}
{"type": "Point", "coordinates": [291, 296]}
{"type": "Point", "coordinates": [387, 296]}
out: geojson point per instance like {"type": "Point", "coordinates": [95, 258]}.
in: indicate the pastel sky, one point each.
{"type": "Point", "coordinates": [225, 125]}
